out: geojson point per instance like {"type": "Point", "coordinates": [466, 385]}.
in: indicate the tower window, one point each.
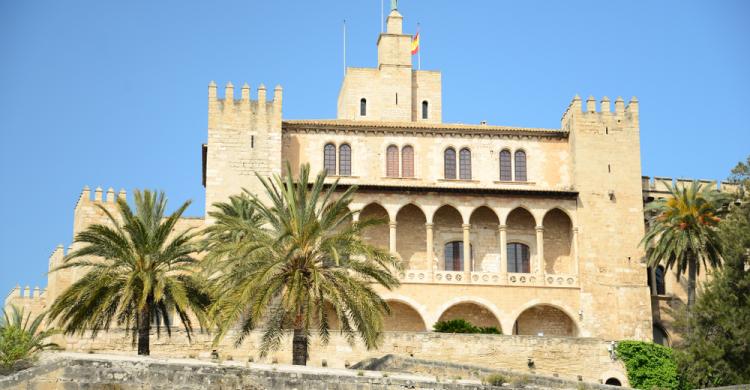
{"type": "Point", "coordinates": [425, 109]}
{"type": "Point", "coordinates": [391, 161]}
{"type": "Point", "coordinates": [506, 173]}
{"type": "Point", "coordinates": [329, 159]}
{"type": "Point", "coordinates": [407, 161]}
{"type": "Point", "coordinates": [521, 166]}
{"type": "Point", "coordinates": [363, 107]}
{"type": "Point", "coordinates": [449, 163]}
{"type": "Point", "coordinates": [660, 285]}
{"type": "Point", "coordinates": [465, 164]}
{"type": "Point", "coordinates": [518, 258]}
{"type": "Point", "coordinates": [345, 160]}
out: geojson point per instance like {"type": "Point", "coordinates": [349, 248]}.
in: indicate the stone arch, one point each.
{"type": "Point", "coordinates": [521, 228]}
{"type": "Point", "coordinates": [485, 239]}
{"type": "Point", "coordinates": [404, 317]}
{"type": "Point", "coordinates": [612, 377]}
{"type": "Point", "coordinates": [558, 242]}
{"type": "Point", "coordinates": [543, 319]}
{"type": "Point", "coordinates": [412, 237]}
{"type": "Point", "coordinates": [447, 227]}
{"type": "Point", "coordinates": [475, 310]}
{"type": "Point", "coordinates": [376, 235]}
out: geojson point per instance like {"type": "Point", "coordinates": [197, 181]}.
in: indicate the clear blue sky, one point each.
{"type": "Point", "coordinates": [114, 93]}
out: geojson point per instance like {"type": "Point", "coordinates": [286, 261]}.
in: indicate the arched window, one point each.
{"type": "Point", "coordinates": [391, 161]}
{"type": "Point", "coordinates": [454, 256]}
{"type": "Point", "coordinates": [449, 163]}
{"type": "Point", "coordinates": [506, 173]}
{"type": "Point", "coordinates": [345, 160]}
{"type": "Point", "coordinates": [521, 165]}
{"type": "Point", "coordinates": [464, 162]}
{"type": "Point", "coordinates": [407, 161]}
{"type": "Point", "coordinates": [660, 286]}
{"type": "Point", "coordinates": [425, 109]}
{"type": "Point", "coordinates": [363, 107]}
{"type": "Point", "coordinates": [329, 159]}
{"type": "Point", "coordinates": [518, 258]}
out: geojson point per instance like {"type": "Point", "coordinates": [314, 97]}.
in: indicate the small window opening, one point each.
{"type": "Point", "coordinates": [425, 109]}
{"type": "Point", "coordinates": [606, 130]}
{"type": "Point", "coordinates": [397, 98]}
{"type": "Point", "coordinates": [363, 107]}
{"type": "Point", "coordinates": [252, 141]}
{"type": "Point", "coordinates": [609, 168]}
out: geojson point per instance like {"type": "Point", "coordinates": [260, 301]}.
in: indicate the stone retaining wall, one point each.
{"type": "Point", "coordinates": [66, 371]}
{"type": "Point", "coordinates": [565, 357]}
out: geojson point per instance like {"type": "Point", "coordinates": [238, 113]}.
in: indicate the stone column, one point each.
{"type": "Point", "coordinates": [540, 250]}
{"type": "Point", "coordinates": [652, 287]}
{"type": "Point", "coordinates": [468, 263]}
{"type": "Point", "coordinates": [392, 241]}
{"type": "Point", "coordinates": [429, 249]}
{"type": "Point", "coordinates": [575, 251]}
{"type": "Point", "coordinates": [503, 230]}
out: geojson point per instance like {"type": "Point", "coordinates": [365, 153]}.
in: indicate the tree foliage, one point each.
{"type": "Point", "coordinates": [21, 338]}
{"type": "Point", "coordinates": [682, 231]}
{"type": "Point", "coordinates": [138, 271]}
{"type": "Point", "coordinates": [717, 350]}
{"type": "Point", "coordinates": [303, 259]}
{"type": "Point", "coordinates": [649, 365]}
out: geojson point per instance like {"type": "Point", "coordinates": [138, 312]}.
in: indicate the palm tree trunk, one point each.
{"type": "Point", "coordinates": [299, 347]}
{"type": "Point", "coordinates": [144, 328]}
{"type": "Point", "coordinates": [691, 282]}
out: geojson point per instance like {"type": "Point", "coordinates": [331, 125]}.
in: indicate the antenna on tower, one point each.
{"type": "Point", "coordinates": [382, 16]}
{"type": "Point", "coordinates": [344, 47]}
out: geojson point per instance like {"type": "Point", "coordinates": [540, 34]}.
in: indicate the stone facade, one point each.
{"type": "Point", "coordinates": [534, 231]}
{"type": "Point", "coordinates": [78, 371]}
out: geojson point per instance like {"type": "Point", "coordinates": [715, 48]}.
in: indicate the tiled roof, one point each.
{"type": "Point", "coordinates": [419, 126]}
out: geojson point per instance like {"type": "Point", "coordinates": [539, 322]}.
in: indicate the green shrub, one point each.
{"type": "Point", "coordinates": [495, 379]}
{"type": "Point", "coordinates": [649, 365]}
{"type": "Point", "coordinates": [21, 338]}
{"type": "Point", "coordinates": [460, 325]}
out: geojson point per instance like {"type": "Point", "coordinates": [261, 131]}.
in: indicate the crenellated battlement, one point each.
{"type": "Point", "coordinates": [31, 301]}
{"type": "Point", "coordinates": [576, 110]}
{"type": "Point", "coordinates": [658, 186]}
{"type": "Point", "coordinates": [99, 196]}
{"type": "Point", "coordinates": [254, 112]}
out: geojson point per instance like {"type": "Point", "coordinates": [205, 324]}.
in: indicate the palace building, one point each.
{"type": "Point", "coordinates": [535, 231]}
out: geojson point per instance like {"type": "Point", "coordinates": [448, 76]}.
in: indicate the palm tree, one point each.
{"type": "Point", "coordinates": [139, 272]}
{"type": "Point", "coordinates": [303, 259]}
{"type": "Point", "coordinates": [21, 338]}
{"type": "Point", "coordinates": [682, 231]}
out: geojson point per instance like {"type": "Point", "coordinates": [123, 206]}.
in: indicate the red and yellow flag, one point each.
{"type": "Point", "coordinates": [415, 44]}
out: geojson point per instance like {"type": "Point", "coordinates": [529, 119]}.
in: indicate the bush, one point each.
{"type": "Point", "coordinates": [495, 380]}
{"type": "Point", "coordinates": [649, 365]}
{"type": "Point", "coordinates": [21, 339]}
{"type": "Point", "coordinates": [462, 326]}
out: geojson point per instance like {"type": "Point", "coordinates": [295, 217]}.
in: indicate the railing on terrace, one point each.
{"type": "Point", "coordinates": [489, 278]}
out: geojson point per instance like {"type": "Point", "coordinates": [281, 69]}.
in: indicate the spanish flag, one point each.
{"type": "Point", "coordinates": [415, 44]}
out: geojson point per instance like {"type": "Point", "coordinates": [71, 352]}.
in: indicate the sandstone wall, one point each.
{"type": "Point", "coordinates": [561, 356]}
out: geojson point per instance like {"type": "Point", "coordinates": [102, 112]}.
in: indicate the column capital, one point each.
{"type": "Point", "coordinates": [429, 225]}
{"type": "Point", "coordinates": [466, 226]}
{"type": "Point", "coordinates": [392, 224]}
{"type": "Point", "coordinates": [539, 228]}
{"type": "Point", "coordinates": [502, 227]}
{"type": "Point", "coordinates": [575, 229]}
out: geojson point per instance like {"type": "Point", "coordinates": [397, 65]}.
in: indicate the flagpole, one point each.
{"type": "Point", "coordinates": [344, 47]}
